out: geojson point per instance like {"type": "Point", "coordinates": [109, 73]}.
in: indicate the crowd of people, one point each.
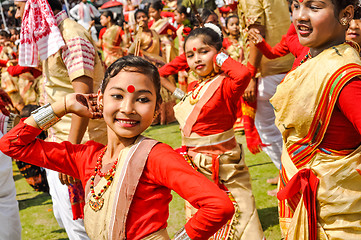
{"type": "Point", "coordinates": [285, 73]}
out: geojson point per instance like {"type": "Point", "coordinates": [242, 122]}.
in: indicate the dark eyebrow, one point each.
{"type": "Point", "coordinates": [139, 91]}
{"type": "Point", "coordinates": [145, 91]}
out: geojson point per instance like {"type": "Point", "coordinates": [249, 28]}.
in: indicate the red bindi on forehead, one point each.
{"type": "Point", "coordinates": [194, 49]}
{"type": "Point", "coordinates": [130, 88]}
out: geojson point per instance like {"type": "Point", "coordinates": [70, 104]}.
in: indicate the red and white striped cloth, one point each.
{"type": "Point", "coordinates": [39, 34]}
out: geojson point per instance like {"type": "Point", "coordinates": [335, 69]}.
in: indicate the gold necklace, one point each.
{"type": "Point", "coordinates": [194, 98]}
{"type": "Point", "coordinates": [98, 201]}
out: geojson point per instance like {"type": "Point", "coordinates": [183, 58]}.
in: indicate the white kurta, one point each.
{"type": "Point", "coordinates": [10, 227]}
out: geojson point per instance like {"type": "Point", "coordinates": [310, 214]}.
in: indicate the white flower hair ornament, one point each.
{"type": "Point", "coordinates": [214, 28]}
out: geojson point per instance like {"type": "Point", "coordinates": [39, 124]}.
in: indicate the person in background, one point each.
{"type": "Point", "coordinates": [206, 115]}
{"type": "Point", "coordinates": [320, 191]}
{"type": "Point", "coordinates": [122, 203]}
{"type": "Point", "coordinates": [10, 227]}
{"type": "Point", "coordinates": [272, 19]}
{"type": "Point", "coordinates": [85, 13]}
{"type": "Point", "coordinates": [111, 38]}
{"type": "Point", "coordinates": [70, 65]}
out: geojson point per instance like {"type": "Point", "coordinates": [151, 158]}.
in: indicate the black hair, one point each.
{"type": "Point", "coordinates": [342, 4]}
{"type": "Point", "coordinates": [357, 14]}
{"type": "Point", "coordinates": [55, 5]}
{"type": "Point", "coordinates": [109, 14]}
{"type": "Point", "coordinates": [157, 5]}
{"type": "Point", "coordinates": [132, 63]}
{"type": "Point", "coordinates": [5, 34]}
{"type": "Point", "coordinates": [206, 13]}
{"type": "Point", "coordinates": [230, 17]}
{"type": "Point", "coordinates": [182, 9]}
{"type": "Point", "coordinates": [210, 37]}
{"type": "Point", "coordinates": [140, 11]}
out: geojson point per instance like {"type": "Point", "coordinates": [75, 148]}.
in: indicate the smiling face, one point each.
{"type": "Point", "coordinates": [200, 56]}
{"type": "Point", "coordinates": [354, 31]}
{"type": "Point", "coordinates": [129, 102]}
{"type": "Point", "coordinates": [316, 24]}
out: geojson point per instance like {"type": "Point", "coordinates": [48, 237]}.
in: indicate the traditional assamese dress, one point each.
{"type": "Point", "coordinates": [150, 45]}
{"type": "Point", "coordinates": [169, 50]}
{"type": "Point", "coordinates": [206, 117]}
{"type": "Point", "coordinates": [135, 206]}
{"type": "Point", "coordinates": [111, 44]}
{"type": "Point", "coordinates": [320, 190]}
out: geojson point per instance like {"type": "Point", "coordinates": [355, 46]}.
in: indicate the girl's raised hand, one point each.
{"type": "Point", "coordinates": [83, 105]}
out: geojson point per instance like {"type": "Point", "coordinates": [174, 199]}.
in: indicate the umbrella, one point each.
{"type": "Point", "coordinates": [111, 4]}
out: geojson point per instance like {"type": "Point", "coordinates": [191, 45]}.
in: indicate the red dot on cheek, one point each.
{"type": "Point", "coordinates": [131, 88]}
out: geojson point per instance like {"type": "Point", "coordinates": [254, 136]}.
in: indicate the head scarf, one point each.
{"type": "Point", "coordinates": [39, 34]}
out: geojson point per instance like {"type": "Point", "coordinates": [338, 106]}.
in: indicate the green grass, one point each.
{"type": "Point", "coordinates": [38, 221]}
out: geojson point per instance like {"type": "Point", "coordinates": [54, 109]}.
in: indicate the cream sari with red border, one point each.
{"type": "Point", "coordinates": [320, 190]}
{"type": "Point", "coordinates": [110, 221]}
{"type": "Point", "coordinates": [220, 158]}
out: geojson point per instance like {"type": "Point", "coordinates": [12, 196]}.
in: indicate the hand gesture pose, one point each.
{"type": "Point", "coordinates": [83, 105]}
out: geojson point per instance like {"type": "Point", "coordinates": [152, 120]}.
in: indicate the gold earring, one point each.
{"type": "Point", "coordinates": [344, 22]}
{"type": "Point", "coordinates": [100, 106]}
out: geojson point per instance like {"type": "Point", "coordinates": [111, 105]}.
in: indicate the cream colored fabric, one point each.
{"type": "Point", "coordinates": [169, 50]}
{"type": "Point", "coordinates": [298, 96]}
{"type": "Point", "coordinates": [184, 107]}
{"type": "Point", "coordinates": [57, 83]}
{"type": "Point", "coordinates": [97, 223]}
{"type": "Point", "coordinates": [233, 172]}
{"type": "Point", "coordinates": [274, 15]}
{"type": "Point", "coordinates": [339, 190]}
{"type": "Point", "coordinates": [110, 50]}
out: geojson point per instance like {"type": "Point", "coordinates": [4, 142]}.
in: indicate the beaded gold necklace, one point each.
{"type": "Point", "coordinates": [194, 98]}
{"type": "Point", "coordinates": [98, 201]}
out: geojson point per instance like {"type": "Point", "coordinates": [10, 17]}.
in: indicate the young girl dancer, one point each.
{"type": "Point", "coordinates": [111, 38]}
{"type": "Point", "coordinates": [162, 27]}
{"type": "Point", "coordinates": [182, 18]}
{"type": "Point", "coordinates": [206, 116]}
{"type": "Point", "coordinates": [317, 108]}
{"type": "Point", "coordinates": [232, 43]}
{"type": "Point", "coordinates": [128, 182]}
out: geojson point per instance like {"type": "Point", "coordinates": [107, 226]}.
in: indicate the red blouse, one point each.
{"type": "Point", "coordinates": [344, 130]}
{"type": "Point", "coordinates": [17, 70]}
{"type": "Point", "coordinates": [179, 63]}
{"type": "Point", "coordinates": [165, 170]}
{"type": "Point", "coordinates": [220, 112]}
{"type": "Point", "coordinates": [289, 44]}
